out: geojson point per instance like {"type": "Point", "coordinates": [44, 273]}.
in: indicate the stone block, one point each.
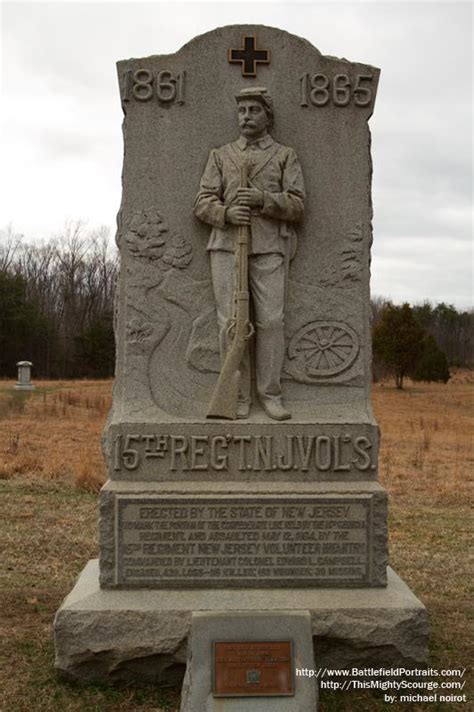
{"type": "Point", "coordinates": [213, 535]}
{"type": "Point", "coordinates": [206, 628]}
{"type": "Point", "coordinates": [302, 449]}
{"type": "Point", "coordinates": [115, 636]}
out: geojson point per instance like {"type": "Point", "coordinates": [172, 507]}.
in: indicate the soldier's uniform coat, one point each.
{"type": "Point", "coordinates": [275, 171]}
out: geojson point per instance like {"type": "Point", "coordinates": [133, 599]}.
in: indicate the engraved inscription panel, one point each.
{"type": "Point", "coordinates": [166, 542]}
{"type": "Point", "coordinates": [253, 669]}
{"type": "Point", "coordinates": [336, 453]}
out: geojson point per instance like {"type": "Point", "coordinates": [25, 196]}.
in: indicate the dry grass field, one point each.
{"type": "Point", "coordinates": [51, 468]}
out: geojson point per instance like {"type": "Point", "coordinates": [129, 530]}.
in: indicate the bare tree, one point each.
{"type": "Point", "coordinates": [70, 281]}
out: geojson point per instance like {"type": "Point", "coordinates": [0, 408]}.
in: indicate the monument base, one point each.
{"type": "Point", "coordinates": [114, 635]}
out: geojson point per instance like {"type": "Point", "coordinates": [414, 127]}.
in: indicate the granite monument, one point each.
{"type": "Point", "coordinates": [24, 376]}
{"type": "Point", "coordinates": [241, 445]}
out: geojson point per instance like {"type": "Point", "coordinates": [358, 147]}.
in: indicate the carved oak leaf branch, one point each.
{"type": "Point", "coordinates": [179, 254]}
{"type": "Point", "coordinates": [146, 234]}
{"type": "Point", "coordinates": [351, 255]}
{"type": "Point", "coordinates": [348, 261]}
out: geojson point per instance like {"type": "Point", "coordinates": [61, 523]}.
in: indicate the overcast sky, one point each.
{"type": "Point", "coordinates": [61, 118]}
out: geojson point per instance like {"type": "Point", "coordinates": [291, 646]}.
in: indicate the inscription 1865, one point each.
{"type": "Point", "coordinates": [320, 90]}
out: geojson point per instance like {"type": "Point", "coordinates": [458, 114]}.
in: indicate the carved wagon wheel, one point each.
{"type": "Point", "coordinates": [324, 348]}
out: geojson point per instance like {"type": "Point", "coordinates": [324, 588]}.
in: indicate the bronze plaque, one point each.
{"type": "Point", "coordinates": [253, 669]}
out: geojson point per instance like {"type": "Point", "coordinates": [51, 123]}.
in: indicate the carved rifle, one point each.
{"type": "Point", "coordinates": [224, 399]}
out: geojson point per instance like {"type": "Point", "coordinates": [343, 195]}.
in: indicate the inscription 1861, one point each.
{"type": "Point", "coordinates": [201, 542]}
{"type": "Point", "coordinates": [143, 85]}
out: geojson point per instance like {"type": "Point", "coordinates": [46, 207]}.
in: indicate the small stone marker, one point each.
{"type": "Point", "coordinates": [24, 376]}
{"type": "Point", "coordinates": [241, 445]}
{"type": "Point", "coordinates": [251, 670]}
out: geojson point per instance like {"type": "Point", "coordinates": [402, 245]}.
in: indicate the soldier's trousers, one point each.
{"type": "Point", "coordinates": [267, 288]}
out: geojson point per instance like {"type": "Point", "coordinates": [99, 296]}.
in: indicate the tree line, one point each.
{"type": "Point", "coordinates": [56, 304]}
{"type": "Point", "coordinates": [422, 341]}
{"type": "Point", "coordinates": [56, 310]}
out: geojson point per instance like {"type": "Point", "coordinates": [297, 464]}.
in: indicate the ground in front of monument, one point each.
{"type": "Point", "coordinates": [50, 530]}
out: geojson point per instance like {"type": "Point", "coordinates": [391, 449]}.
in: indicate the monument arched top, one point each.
{"type": "Point", "coordinates": [217, 63]}
{"type": "Point", "coordinates": [220, 33]}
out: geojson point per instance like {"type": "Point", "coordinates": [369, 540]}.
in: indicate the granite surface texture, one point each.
{"type": "Point", "coordinates": [116, 636]}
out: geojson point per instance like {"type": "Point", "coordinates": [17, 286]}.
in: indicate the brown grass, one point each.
{"type": "Point", "coordinates": [427, 447]}
{"type": "Point", "coordinates": [53, 432]}
{"type": "Point", "coordinates": [51, 467]}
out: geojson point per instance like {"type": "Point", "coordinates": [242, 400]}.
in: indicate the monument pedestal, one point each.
{"type": "Point", "coordinates": [114, 636]}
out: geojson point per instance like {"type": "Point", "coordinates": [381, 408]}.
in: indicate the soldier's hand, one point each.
{"type": "Point", "coordinates": [250, 196]}
{"type": "Point", "coordinates": [238, 215]}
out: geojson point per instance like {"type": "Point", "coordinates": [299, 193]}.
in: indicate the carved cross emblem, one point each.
{"type": "Point", "coordinates": [249, 56]}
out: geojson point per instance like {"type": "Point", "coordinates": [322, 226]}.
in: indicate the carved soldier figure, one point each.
{"type": "Point", "coordinates": [271, 205]}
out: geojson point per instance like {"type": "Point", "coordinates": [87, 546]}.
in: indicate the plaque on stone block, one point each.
{"type": "Point", "coordinates": [253, 669]}
{"type": "Point", "coordinates": [220, 542]}
{"type": "Point", "coordinates": [226, 542]}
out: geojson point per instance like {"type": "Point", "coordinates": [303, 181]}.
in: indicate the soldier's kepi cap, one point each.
{"type": "Point", "coordinates": [261, 94]}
